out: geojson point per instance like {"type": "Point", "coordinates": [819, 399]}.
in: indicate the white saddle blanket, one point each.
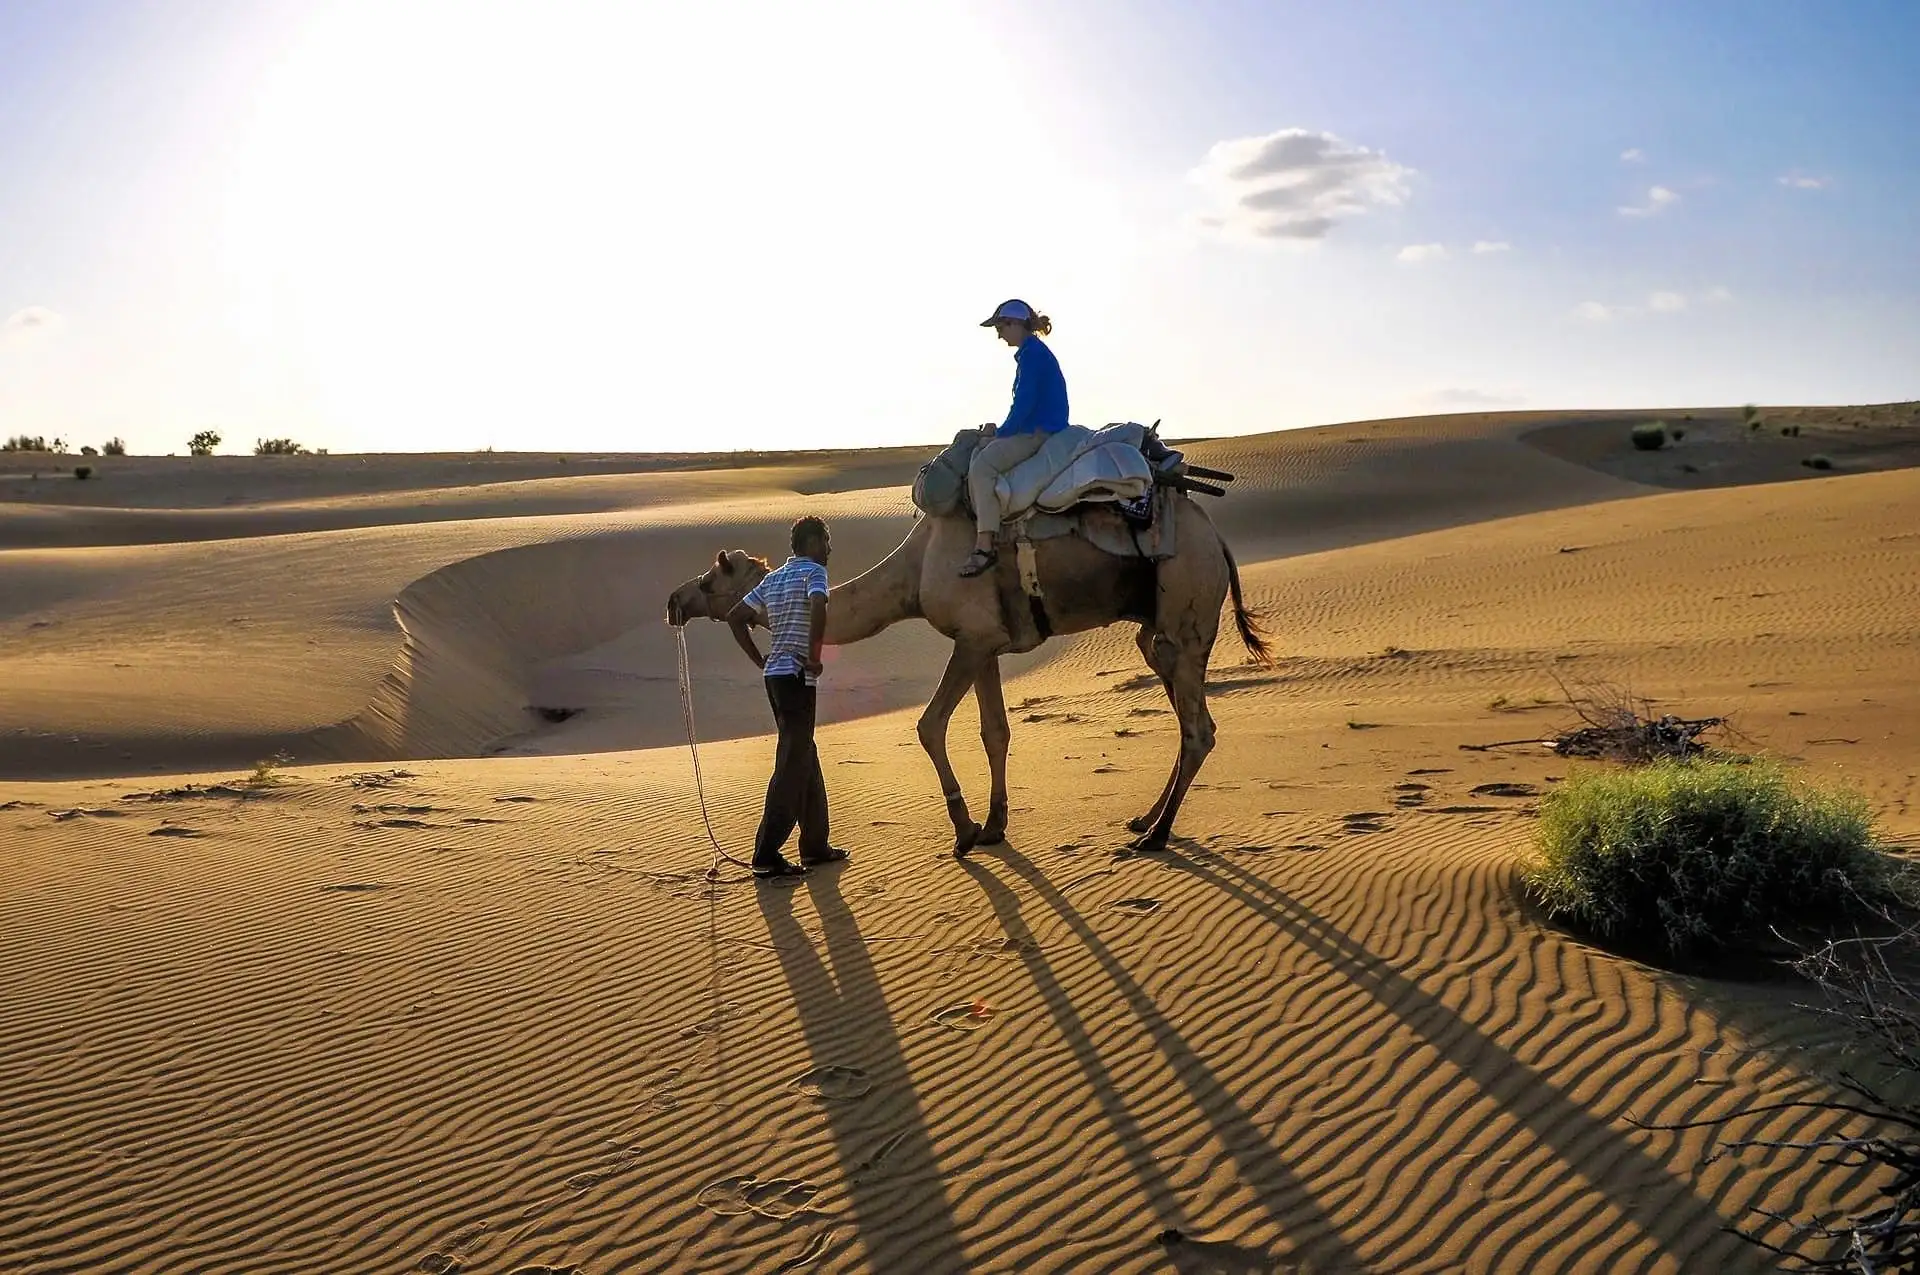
{"type": "Point", "coordinates": [1077, 466]}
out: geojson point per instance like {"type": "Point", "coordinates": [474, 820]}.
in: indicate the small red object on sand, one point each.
{"type": "Point", "coordinates": [981, 1009]}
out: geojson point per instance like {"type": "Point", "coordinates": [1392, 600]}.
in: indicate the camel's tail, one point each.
{"type": "Point", "coordinates": [1245, 618]}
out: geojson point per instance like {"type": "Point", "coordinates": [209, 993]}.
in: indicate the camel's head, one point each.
{"type": "Point", "coordinates": [731, 577]}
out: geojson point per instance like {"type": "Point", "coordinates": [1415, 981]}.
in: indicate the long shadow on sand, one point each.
{"type": "Point", "coordinates": [1662, 1207]}
{"type": "Point", "coordinates": [1313, 1237]}
{"type": "Point", "coordinates": [900, 1209]}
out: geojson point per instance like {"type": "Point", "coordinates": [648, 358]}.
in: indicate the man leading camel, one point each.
{"type": "Point", "coordinates": [793, 600]}
{"type": "Point", "coordinates": [1039, 409]}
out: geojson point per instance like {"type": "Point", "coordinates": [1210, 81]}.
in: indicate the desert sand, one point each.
{"type": "Point", "coordinates": [446, 988]}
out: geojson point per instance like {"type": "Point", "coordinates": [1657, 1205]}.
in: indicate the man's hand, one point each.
{"type": "Point", "coordinates": [814, 667]}
{"type": "Point", "coordinates": [741, 620]}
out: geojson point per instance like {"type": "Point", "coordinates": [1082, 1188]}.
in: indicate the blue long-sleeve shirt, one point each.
{"type": "Point", "coordinates": [1039, 391]}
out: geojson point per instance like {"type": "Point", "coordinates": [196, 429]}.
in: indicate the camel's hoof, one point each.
{"type": "Point", "coordinates": [965, 839]}
{"type": "Point", "coordinates": [1150, 843]}
{"type": "Point", "coordinates": [992, 835]}
{"type": "Point", "coordinates": [1139, 823]}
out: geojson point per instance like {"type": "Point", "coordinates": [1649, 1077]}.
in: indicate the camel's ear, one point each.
{"type": "Point", "coordinates": [720, 562]}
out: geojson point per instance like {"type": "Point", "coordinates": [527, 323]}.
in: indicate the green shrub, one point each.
{"type": "Point", "coordinates": [114, 447]}
{"type": "Point", "coordinates": [83, 472]}
{"type": "Point", "coordinates": [277, 447]}
{"type": "Point", "coordinates": [24, 443]}
{"type": "Point", "coordinates": [1678, 431]}
{"type": "Point", "coordinates": [203, 443]}
{"type": "Point", "coordinates": [1650, 437]}
{"type": "Point", "coordinates": [1818, 462]}
{"type": "Point", "coordinates": [1696, 859]}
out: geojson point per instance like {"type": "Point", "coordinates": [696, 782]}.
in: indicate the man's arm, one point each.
{"type": "Point", "coordinates": [740, 620]}
{"type": "Point", "coordinates": [816, 630]}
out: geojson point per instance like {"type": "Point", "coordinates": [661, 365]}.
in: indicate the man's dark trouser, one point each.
{"type": "Point", "coordinates": [797, 793]}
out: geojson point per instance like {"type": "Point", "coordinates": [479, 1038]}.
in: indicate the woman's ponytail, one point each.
{"type": "Point", "coordinates": [1040, 325]}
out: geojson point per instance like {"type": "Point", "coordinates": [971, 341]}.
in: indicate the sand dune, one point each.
{"type": "Point", "coordinates": [401, 1010]}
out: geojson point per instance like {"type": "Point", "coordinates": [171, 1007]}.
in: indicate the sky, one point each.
{"type": "Point", "coordinates": [441, 225]}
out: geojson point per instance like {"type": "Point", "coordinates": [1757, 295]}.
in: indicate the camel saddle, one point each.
{"type": "Point", "coordinates": [1104, 486]}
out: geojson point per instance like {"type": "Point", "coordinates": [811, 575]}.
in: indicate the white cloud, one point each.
{"type": "Point", "coordinates": [1633, 155]}
{"type": "Point", "coordinates": [1665, 301]}
{"type": "Point", "coordinates": [35, 323]}
{"type": "Point", "coordinates": [1658, 197]}
{"type": "Point", "coordinates": [1418, 252]}
{"type": "Point", "coordinates": [1482, 247]}
{"type": "Point", "coordinates": [1296, 184]}
{"type": "Point", "coordinates": [1800, 181]}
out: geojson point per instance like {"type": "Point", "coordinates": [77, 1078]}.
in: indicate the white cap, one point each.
{"type": "Point", "coordinates": [1018, 310]}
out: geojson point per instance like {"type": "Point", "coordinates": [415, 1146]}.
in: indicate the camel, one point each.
{"type": "Point", "coordinates": [1175, 602]}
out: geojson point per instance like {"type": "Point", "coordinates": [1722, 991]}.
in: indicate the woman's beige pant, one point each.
{"type": "Point", "coordinates": [990, 460]}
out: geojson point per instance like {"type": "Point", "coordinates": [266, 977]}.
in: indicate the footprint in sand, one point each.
{"type": "Point", "coordinates": [545, 1270]}
{"type": "Point", "coordinates": [174, 830]}
{"type": "Point", "coordinates": [516, 798]}
{"type": "Point", "coordinates": [1407, 795]}
{"type": "Point", "coordinates": [19, 805]}
{"type": "Point", "coordinates": [776, 1198]}
{"type": "Point", "coordinates": [439, 1264]}
{"type": "Point", "coordinates": [352, 887]}
{"type": "Point", "coordinates": [833, 1082]}
{"type": "Point", "coordinates": [82, 812]}
{"type": "Point", "coordinates": [1361, 821]}
{"type": "Point", "coordinates": [1505, 790]}
{"type": "Point", "coordinates": [1135, 907]}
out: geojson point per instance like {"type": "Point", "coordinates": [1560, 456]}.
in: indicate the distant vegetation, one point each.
{"type": "Point", "coordinates": [1696, 859]}
{"type": "Point", "coordinates": [114, 447]}
{"type": "Point", "coordinates": [277, 447]}
{"type": "Point", "coordinates": [1818, 462]}
{"type": "Point", "coordinates": [203, 443]}
{"type": "Point", "coordinates": [34, 443]}
{"type": "Point", "coordinates": [1751, 415]}
{"type": "Point", "coordinates": [1651, 436]}
{"type": "Point", "coordinates": [83, 472]}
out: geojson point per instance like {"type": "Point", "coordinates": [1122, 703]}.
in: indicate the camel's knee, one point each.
{"type": "Point", "coordinates": [932, 731]}
{"type": "Point", "coordinates": [996, 735]}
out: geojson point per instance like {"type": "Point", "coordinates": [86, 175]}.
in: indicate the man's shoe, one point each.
{"type": "Point", "coordinates": [819, 858]}
{"type": "Point", "coordinates": [778, 870]}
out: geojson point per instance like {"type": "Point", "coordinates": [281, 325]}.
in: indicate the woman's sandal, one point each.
{"type": "Point", "coordinates": [979, 560]}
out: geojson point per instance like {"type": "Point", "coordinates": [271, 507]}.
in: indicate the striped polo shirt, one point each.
{"type": "Point", "coordinates": [782, 597]}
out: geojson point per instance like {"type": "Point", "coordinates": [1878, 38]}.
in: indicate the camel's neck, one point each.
{"type": "Point", "coordinates": [884, 595]}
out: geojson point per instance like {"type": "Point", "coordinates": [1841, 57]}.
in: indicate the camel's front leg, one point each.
{"type": "Point", "coordinates": [996, 736]}
{"type": "Point", "coordinates": [962, 668]}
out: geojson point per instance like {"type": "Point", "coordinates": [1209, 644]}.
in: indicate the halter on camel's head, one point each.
{"type": "Point", "coordinates": [713, 593]}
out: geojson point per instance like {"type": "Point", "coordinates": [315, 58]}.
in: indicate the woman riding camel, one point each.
{"type": "Point", "coordinates": [1039, 409]}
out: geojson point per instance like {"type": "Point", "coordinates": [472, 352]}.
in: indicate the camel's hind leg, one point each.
{"type": "Point", "coordinates": [1189, 690]}
{"type": "Point", "coordinates": [963, 666]}
{"type": "Point", "coordinates": [1158, 652]}
{"type": "Point", "coordinates": [996, 736]}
